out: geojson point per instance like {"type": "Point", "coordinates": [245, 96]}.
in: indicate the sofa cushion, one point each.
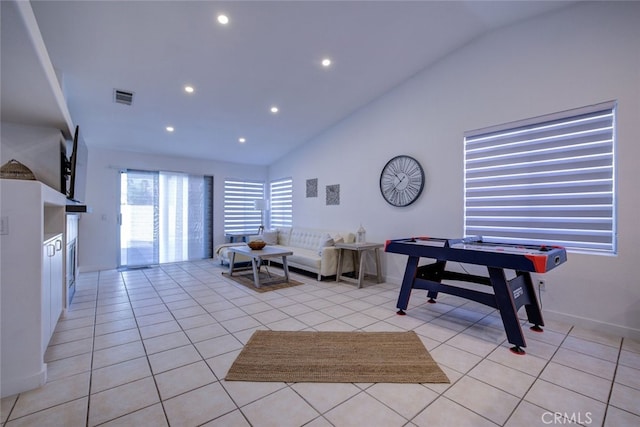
{"type": "Point", "coordinates": [270, 237]}
{"type": "Point", "coordinates": [307, 238]}
{"type": "Point", "coordinates": [284, 235]}
{"type": "Point", "coordinates": [305, 257]}
{"type": "Point", "coordinates": [325, 241]}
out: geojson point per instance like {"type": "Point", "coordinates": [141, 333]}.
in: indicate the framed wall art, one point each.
{"type": "Point", "coordinates": [333, 194]}
{"type": "Point", "coordinates": [312, 187]}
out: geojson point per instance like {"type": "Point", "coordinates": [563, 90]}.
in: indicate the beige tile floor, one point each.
{"type": "Point", "coordinates": [151, 348]}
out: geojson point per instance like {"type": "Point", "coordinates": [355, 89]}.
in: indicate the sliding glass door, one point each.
{"type": "Point", "coordinates": [139, 233]}
{"type": "Point", "coordinates": [164, 217]}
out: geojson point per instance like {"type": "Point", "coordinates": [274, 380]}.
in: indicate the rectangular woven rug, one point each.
{"type": "Point", "coordinates": [336, 357]}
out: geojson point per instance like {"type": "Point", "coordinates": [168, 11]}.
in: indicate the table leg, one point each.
{"type": "Point", "coordinates": [256, 276]}
{"type": "Point", "coordinates": [355, 260]}
{"type": "Point", "coordinates": [285, 267]}
{"type": "Point", "coordinates": [534, 315]}
{"type": "Point", "coordinates": [507, 309]}
{"type": "Point", "coordinates": [407, 284]}
{"type": "Point", "coordinates": [339, 269]}
{"type": "Point", "coordinates": [361, 273]}
{"type": "Point", "coordinates": [378, 268]}
{"type": "Point", "coordinates": [232, 260]}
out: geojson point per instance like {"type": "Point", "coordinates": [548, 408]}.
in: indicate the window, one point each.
{"type": "Point", "coordinates": [545, 180]}
{"type": "Point", "coordinates": [240, 214]}
{"type": "Point", "coordinates": [281, 195]}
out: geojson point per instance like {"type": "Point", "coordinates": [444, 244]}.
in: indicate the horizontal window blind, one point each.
{"type": "Point", "coordinates": [281, 195]}
{"type": "Point", "coordinates": [544, 181]}
{"type": "Point", "coordinates": [240, 214]}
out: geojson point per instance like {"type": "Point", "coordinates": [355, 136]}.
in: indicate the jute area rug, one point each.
{"type": "Point", "coordinates": [336, 357]}
{"type": "Point", "coordinates": [268, 282]}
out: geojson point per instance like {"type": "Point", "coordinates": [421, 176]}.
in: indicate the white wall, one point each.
{"type": "Point", "coordinates": [98, 230]}
{"type": "Point", "coordinates": [582, 55]}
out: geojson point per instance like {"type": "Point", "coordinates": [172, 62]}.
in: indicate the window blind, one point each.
{"type": "Point", "coordinates": [185, 217]}
{"type": "Point", "coordinates": [281, 195]}
{"type": "Point", "coordinates": [544, 181]}
{"type": "Point", "coordinates": [240, 215]}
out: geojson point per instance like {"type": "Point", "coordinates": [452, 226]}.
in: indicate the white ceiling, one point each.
{"type": "Point", "coordinates": [269, 54]}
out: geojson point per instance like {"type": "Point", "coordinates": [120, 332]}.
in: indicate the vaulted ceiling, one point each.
{"type": "Point", "coordinates": [269, 54]}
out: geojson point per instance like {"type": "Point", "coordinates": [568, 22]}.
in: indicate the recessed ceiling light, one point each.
{"type": "Point", "coordinates": [223, 19]}
{"type": "Point", "coordinates": [326, 62]}
{"type": "Point", "coordinates": [169, 128]}
{"type": "Point", "coordinates": [188, 89]}
{"type": "Point", "coordinates": [274, 109]}
{"type": "Point", "coordinates": [242, 140]}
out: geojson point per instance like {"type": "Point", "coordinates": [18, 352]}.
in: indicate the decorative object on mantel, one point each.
{"type": "Point", "coordinates": [312, 187]}
{"type": "Point", "coordinates": [333, 194]}
{"type": "Point", "coordinates": [13, 169]}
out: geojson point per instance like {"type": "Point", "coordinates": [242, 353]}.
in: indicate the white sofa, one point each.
{"type": "Point", "coordinates": [313, 249]}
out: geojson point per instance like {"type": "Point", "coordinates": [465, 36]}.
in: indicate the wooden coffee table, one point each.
{"type": "Point", "coordinates": [256, 259]}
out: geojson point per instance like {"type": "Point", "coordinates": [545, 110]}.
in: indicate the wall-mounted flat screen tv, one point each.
{"type": "Point", "coordinates": [77, 168]}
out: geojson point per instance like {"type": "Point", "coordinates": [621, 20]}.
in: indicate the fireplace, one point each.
{"type": "Point", "coordinates": [71, 269]}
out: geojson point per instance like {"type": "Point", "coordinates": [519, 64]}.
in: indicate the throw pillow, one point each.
{"type": "Point", "coordinates": [326, 241]}
{"type": "Point", "coordinates": [337, 238]}
{"type": "Point", "coordinates": [270, 236]}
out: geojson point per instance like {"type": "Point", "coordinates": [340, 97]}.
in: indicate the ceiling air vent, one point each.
{"type": "Point", "coordinates": [122, 97]}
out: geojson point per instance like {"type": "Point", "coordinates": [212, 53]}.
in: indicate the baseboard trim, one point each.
{"type": "Point", "coordinates": [592, 324]}
{"type": "Point", "coordinates": [11, 386]}
{"type": "Point", "coordinates": [581, 322]}
{"type": "Point", "coordinates": [95, 268]}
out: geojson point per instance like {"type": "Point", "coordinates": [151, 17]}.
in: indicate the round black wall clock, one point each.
{"type": "Point", "coordinates": [401, 181]}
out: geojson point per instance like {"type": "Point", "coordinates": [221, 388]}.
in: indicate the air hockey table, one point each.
{"type": "Point", "coordinates": [508, 296]}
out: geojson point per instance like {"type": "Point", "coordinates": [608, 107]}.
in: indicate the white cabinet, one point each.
{"type": "Point", "coordinates": [52, 287]}
{"type": "Point", "coordinates": [30, 210]}
{"type": "Point", "coordinates": [31, 283]}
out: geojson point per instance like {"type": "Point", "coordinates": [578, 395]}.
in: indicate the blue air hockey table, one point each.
{"type": "Point", "coordinates": [508, 295]}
